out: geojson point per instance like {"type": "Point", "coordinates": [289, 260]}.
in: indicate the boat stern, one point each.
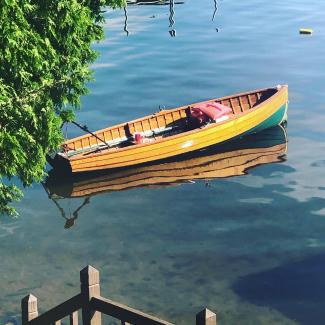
{"type": "Point", "coordinates": [60, 163]}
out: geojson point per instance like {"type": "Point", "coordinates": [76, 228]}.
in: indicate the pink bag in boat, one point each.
{"type": "Point", "coordinates": [212, 110]}
{"type": "Point", "coordinates": [138, 138]}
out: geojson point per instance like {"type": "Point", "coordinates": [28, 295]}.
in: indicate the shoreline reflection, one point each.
{"type": "Point", "coordinates": [215, 9]}
{"type": "Point", "coordinates": [170, 3]}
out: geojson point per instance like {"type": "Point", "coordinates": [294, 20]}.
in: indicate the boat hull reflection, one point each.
{"type": "Point", "coordinates": [230, 159]}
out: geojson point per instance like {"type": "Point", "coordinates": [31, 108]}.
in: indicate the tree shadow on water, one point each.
{"type": "Point", "coordinates": [297, 290]}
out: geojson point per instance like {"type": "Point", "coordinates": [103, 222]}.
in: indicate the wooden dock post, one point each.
{"type": "Point", "coordinates": [74, 318]}
{"type": "Point", "coordinates": [206, 317]}
{"type": "Point", "coordinates": [29, 309]}
{"type": "Point", "coordinates": [90, 287]}
{"type": "Point", "coordinates": [93, 305]}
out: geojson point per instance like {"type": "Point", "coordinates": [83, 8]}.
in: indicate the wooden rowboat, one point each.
{"type": "Point", "coordinates": [173, 132]}
{"type": "Point", "coordinates": [226, 160]}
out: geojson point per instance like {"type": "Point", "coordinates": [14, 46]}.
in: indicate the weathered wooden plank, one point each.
{"type": "Point", "coordinates": [58, 312]}
{"type": "Point", "coordinates": [125, 313]}
{"type": "Point", "coordinates": [90, 287]}
{"type": "Point", "coordinates": [206, 317]}
{"type": "Point", "coordinates": [74, 318]}
{"type": "Point", "coordinates": [29, 309]}
{"type": "Point", "coordinates": [58, 322]}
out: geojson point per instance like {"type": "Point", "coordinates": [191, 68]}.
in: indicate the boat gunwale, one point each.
{"type": "Point", "coordinates": [235, 116]}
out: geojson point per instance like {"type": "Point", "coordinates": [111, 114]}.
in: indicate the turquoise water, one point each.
{"type": "Point", "coordinates": [250, 247]}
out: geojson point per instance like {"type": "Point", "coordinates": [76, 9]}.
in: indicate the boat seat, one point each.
{"type": "Point", "coordinates": [210, 111]}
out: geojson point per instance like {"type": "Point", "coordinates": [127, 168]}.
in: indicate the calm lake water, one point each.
{"type": "Point", "coordinates": [250, 247]}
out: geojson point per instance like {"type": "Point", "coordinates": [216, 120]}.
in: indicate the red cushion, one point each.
{"type": "Point", "coordinates": [198, 114]}
{"type": "Point", "coordinates": [212, 110]}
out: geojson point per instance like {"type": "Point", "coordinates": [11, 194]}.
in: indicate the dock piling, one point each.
{"type": "Point", "coordinates": [206, 317]}
{"type": "Point", "coordinates": [29, 309]}
{"type": "Point", "coordinates": [90, 287]}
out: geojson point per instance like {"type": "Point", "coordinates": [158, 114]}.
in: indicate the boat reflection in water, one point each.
{"type": "Point", "coordinates": [226, 160]}
{"type": "Point", "coordinates": [230, 159]}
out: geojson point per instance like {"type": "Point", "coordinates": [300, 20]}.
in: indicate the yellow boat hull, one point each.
{"type": "Point", "coordinates": [246, 118]}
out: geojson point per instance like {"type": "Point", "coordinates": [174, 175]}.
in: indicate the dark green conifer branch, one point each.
{"type": "Point", "coordinates": [45, 52]}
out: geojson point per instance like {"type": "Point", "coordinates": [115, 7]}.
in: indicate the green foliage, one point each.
{"type": "Point", "coordinates": [8, 194]}
{"type": "Point", "coordinates": [45, 51]}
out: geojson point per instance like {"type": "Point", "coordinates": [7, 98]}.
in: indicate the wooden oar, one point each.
{"type": "Point", "coordinates": [85, 128]}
